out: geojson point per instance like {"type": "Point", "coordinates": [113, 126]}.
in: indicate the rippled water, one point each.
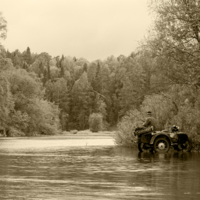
{"type": "Point", "coordinates": [93, 169]}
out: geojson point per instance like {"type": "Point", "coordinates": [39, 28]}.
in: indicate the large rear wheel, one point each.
{"type": "Point", "coordinates": [161, 144]}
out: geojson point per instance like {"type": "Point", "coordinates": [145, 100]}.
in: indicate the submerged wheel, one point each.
{"type": "Point", "coordinates": [161, 145]}
{"type": "Point", "coordinates": [187, 146]}
{"type": "Point", "coordinates": [142, 147]}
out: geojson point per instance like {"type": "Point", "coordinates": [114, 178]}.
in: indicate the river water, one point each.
{"type": "Point", "coordinates": [87, 169]}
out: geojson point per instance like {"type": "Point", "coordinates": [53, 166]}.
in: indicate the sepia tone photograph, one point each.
{"type": "Point", "coordinates": [99, 99]}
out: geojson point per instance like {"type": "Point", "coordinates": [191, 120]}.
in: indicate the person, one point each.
{"type": "Point", "coordinates": [151, 122]}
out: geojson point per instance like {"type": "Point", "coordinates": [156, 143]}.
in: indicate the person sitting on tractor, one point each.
{"type": "Point", "coordinates": [150, 124]}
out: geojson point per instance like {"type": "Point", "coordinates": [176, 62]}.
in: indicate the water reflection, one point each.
{"type": "Point", "coordinates": [164, 156]}
{"type": "Point", "coordinates": [100, 172]}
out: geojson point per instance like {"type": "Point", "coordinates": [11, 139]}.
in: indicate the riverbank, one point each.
{"type": "Point", "coordinates": [74, 134]}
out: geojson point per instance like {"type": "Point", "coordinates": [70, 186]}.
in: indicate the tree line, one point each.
{"type": "Point", "coordinates": [72, 89]}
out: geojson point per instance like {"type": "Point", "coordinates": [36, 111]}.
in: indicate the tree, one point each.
{"type": "Point", "coordinates": [17, 59]}
{"type": "Point", "coordinates": [97, 79]}
{"type": "Point", "coordinates": [5, 64]}
{"type": "Point", "coordinates": [41, 66]}
{"type": "Point", "coordinates": [95, 122]}
{"type": "Point", "coordinates": [24, 87]}
{"type": "Point", "coordinates": [6, 100]}
{"type": "Point", "coordinates": [82, 103]}
{"type": "Point", "coordinates": [176, 39]}
{"type": "Point", "coordinates": [60, 66]}
{"type": "Point", "coordinates": [44, 118]}
{"type": "Point", "coordinates": [30, 113]}
{"type": "Point", "coordinates": [133, 81]}
{"type": "Point", "coordinates": [3, 27]}
{"type": "Point", "coordinates": [57, 92]}
{"type": "Point", "coordinates": [27, 56]}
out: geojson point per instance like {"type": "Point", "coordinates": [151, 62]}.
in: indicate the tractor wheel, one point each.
{"type": "Point", "coordinates": [161, 144]}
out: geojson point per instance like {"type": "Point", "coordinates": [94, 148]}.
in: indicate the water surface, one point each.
{"type": "Point", "coordinates": [46, 168]}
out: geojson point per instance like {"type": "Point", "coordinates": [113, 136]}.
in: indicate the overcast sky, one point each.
{"type": "Point", "coordinates": [92, 29]}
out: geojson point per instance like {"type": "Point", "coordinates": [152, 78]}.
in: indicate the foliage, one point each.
{"type": "Point", "coordinates": [57, 92]}
{"type": "Point", "coordinates": [3, 27]}
{"type": "Point", "coordinates": [81, 106]}
{"type": "Point", "coordinates": [162, 106]}
{"type": "Point", "coordinates": [6, 100]}
{"type": "Point", "coordinates": [188, 110]}
{"type": "Point", "coordinates": [27, 57]}
{"type": "Point", "coordinates": [124, 136]}
{"type": "Point", "coordinates": [5, 64]}
{"type": "Point", "coordinates": [44, 118]}
{"type": "Point", "coordinates": [23, 112]}
{"type": "Point", "coordinates": [131, 80]}
{"type": "Point", "coordinates": [15, 133]}
{"type": "Point", "coordinates": [18, 121]}
{"type": "Point", "coordinates": [95, 122]}
{"type": "Point", "coordinates": [175, 39]}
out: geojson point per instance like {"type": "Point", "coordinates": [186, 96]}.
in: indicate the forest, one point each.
{"type": "Point", "coordinates": [45, 95]}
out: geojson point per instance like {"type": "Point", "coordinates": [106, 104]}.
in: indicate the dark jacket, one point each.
{"type": "Point", "coordinates": [151, 121]}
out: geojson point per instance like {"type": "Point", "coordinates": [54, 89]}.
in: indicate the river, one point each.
{"type": "Point", "coordinates": [85, 169]}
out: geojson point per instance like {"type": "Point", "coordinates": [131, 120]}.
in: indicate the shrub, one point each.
{"type": "Point", "coordinates": [124, 136]}
{"type": "Point", "coordinates": [15, 133]}
{"type": "Point", "coordinates": [188, 121]}
{"type": "Point", "coordinates": [96, 122]}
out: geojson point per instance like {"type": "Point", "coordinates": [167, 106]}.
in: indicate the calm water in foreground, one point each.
{"type": "Point", "coordinates": [87, 169]}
